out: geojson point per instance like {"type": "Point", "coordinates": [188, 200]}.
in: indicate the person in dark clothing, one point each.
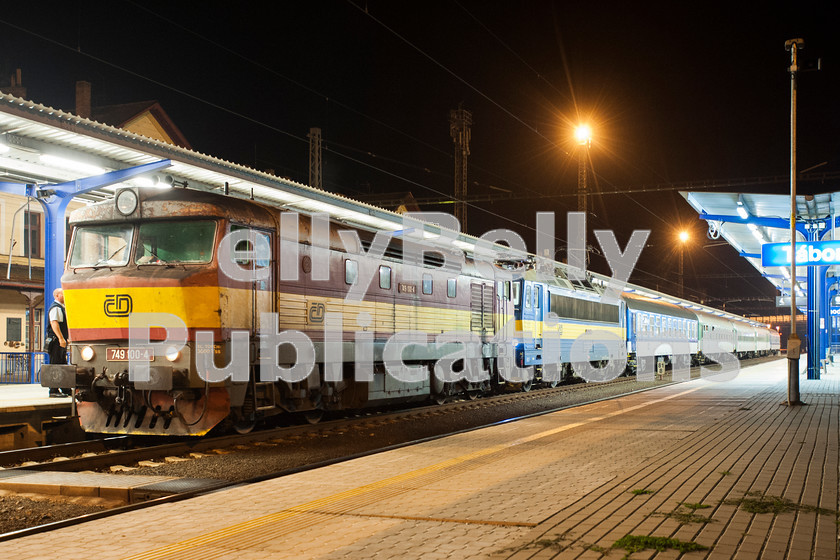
{"type": "Point", "coordinates": [55, 341]}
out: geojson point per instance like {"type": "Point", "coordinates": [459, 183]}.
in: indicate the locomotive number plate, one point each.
{"type": "Point", "coordinates": [142, 354]}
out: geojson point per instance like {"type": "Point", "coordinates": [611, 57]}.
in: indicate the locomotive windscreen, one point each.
{"type": "Point", "coordinates": [101, 245]}
{"type": "Point", "coordinates": [175, 241]}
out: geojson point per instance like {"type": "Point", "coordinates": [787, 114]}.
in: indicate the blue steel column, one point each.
{"type": "Point", "coordinates": [813, 316]}
{"type": "Point", "coordinates": [825, 311]}
{"type": "Point", "coordinates": [54, 198]}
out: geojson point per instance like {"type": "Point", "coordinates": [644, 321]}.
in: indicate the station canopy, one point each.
{"type": "Point", "coordinates": [748, 221]}
{"type": "Point", "coordinates": [47, 145]}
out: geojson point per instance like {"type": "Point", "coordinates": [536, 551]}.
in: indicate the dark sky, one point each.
{"type": "Point", "coordinates": [675, 92]}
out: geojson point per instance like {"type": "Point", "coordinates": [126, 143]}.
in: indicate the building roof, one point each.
{"type": "Point", "coordinates": [130, 116]}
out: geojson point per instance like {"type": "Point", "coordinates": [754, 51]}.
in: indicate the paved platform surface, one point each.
{"type": "Point", "coordinates": [554, 486]}
{"type": "Point", "coordinates": [121, 487]}
{"type": "Point", "coordinates": [27, 396]}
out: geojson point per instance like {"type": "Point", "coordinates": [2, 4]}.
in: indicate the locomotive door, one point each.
{"type": "Point", "coordinates": [254, 255]}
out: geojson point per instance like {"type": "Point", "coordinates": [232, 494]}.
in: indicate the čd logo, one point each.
{"type": "Point", "coordinates": [118, 305]}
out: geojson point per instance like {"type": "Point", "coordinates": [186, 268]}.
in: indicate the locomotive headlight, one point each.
{"type": "Point", "coordinates": [172, 353]}
{"type": "Point", "coordinates": [87, 353]}
{"type": "Point", "coordinates": [126, 201]}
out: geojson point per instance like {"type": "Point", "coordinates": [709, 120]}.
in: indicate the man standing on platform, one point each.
{"type": "Point", "coordinates": [57, 334]}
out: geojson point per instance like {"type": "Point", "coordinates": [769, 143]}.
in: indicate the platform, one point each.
{"type": "Point", "coordinates": [30, 418]}
{"type": "Point", "coordinates": [115, 487]}
{"type": "Point", "coordinates": [560, 485]}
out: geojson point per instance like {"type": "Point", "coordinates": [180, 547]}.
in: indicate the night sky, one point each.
{"type": "Point", "coordinates": [675, 92]}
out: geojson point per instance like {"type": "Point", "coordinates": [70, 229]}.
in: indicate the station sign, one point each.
{"type": "Point", "coordinates": [808, 253]}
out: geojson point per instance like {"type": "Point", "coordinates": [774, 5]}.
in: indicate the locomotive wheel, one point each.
{"type": "Point", "coordinates": [314, 416]}
{"type": "Point", "coordinates": [526, 386]}
{"type": "Point", "coordinates": [243, 427]}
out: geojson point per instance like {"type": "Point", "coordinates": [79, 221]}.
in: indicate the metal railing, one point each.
{"type": "Point", "coordinates": [22, 367]}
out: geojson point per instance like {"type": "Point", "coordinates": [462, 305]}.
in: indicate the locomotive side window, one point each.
{"type": "Point", "coordinates": [385, 277]}
{"type": "Point", "coordinates": [452, 287]}
{"type": "Point", "coordinates": [537, 297]}
{"type": "Point", "coordinates": [101, 245]}
{"type": "Point", "coordinates": [178, 241]}
{"type": "Point", "coordinates": [351, 271]}
{"type": "Point", "coordinates": [528, 295]}
{"type": "Point", "coordinates": [516, 289]}
{"type": "Point", "coordinates": [244, 251]}
{"type": "Point", "coordinates": [428, 285]}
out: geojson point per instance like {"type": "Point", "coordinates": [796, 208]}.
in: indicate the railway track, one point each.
{"type": "Point", "coordinates": [101, 454]}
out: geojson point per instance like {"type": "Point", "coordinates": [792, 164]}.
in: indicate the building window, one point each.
{"type": "Point", "coordinates": [13, 329]}
{"type": "Point", "coordinates": [32, 235]}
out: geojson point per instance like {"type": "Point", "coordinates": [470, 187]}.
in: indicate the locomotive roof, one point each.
{"type": "Point", "coordinates": [176, 202]}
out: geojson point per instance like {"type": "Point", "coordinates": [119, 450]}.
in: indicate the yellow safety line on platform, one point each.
{"type": "Point", "coordinates": [314, 505]}
{"type": "Point", "coordinates": [443, 519]}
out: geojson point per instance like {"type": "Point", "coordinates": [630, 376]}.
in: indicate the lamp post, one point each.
{"type": "Point", "coordinates": [793, 344]}
{"type": "Point", "coordinates": [683, 237]}
{"type": "Point", "coordinates": [583, 135]}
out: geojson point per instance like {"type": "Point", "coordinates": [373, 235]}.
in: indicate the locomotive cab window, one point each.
{"type": "Point", "coordinates": [101, 245]}
{"type": "Point", "coordinates": [254, 251]}
{"type": "Point", "coordinates": [179, 241]}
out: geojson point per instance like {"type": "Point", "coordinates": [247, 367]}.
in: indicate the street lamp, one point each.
{"type": "Point", "coordinates": [583, 136]}
{"type": "Point", "coordinates": [793, 344]}
{"type": "Point", "coordinates": [683, 237]}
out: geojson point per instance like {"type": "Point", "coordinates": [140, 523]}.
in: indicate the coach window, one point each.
{"type": "Point", "coordinates": [385, 277]}
{"type": "Point", "coordinates": [527, 296]}
{"type": "Point", "coordinates": [452, 287]}
{"type": "Point", "coordinates": [427, 284]}
{"type": "Point", "coordinates": [351, 271]}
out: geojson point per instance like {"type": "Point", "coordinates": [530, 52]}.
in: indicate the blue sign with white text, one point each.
{"type": "Point", "coordinates": [808, 253]}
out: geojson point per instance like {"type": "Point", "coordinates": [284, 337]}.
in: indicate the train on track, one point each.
{"type": "Point", "coordinates": [236, 274]}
